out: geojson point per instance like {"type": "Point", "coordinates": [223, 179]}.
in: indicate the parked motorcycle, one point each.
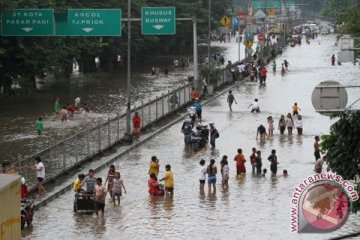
{"type": "Point", "coordinates": [192, 114]}
{"type": "Point", "coordinates": [27, 212]}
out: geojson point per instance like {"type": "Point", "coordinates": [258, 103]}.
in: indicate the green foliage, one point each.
{"type": "Point", "coordinates": [342, 147]}
{"type": "Point", "coordinates": [211, 73]}
{"type": "Point", "coordinates": [312, 6]}
{"type": "Point", "coordinates": [27, 57]}
{"type": "Point", "coordinates": [332, 8]}
{"type": "Point", "coordinates": [348, 20]}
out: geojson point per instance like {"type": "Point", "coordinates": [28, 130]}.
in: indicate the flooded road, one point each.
{"type": "Point", "coordinates": [104, 93]}
{"type": "Point", "coordinates": [252, 207]}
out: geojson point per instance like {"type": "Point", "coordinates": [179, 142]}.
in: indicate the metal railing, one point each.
{"type": "Point", "coordinates": [66, 154]}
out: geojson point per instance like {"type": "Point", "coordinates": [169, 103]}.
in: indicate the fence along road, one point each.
{"type": "Point", "coordinates": [86, 144]}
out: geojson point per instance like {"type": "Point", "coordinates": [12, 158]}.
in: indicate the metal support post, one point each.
{"type": "Point", "coordinates": [76, 148]}
{"type": "Point", "coordinates": [99, 138]}
{"type": "Point", "coordinates": [117, 126]}
{"type": "Point", "coordinates": [88, 143]}
{"type": "Point", "coordinates": [162, 104]}
{"type": "Point", "coordinates": [142, 113]}
{"type": "Point", "coordinates": [64, 157]}
{"type": "Point", "coordinates": [149, 111]}
{"type": "Point", "coordinates": [128, 71]}
{"type": "Point", "coordinates": [195, 52]}
{"type": "Point", "coordinates": [156, 108]}
{"type": "Point", "coordinates": [109, 132]}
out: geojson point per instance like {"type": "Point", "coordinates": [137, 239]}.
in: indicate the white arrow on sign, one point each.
{"type": "Point", "coordinates": [27, 29]}
{"type": "Point", "coordinates": [158, 27]}
{"type": "Point", "coordinates": [87, 29]}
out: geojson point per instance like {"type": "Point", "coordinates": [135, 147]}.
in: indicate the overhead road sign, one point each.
{"type": "Point", "coordinates": [158, 20]}
{"type": "Point", "coordinates": [27, 22]}
{"type": "Point", "coordinates": [89, 22]}
{"type": "Point", "coordinates": [225, 21]}
{"type": "Point", "coordinates": [235, 21]}
{"type": "Point", "coordinates": [268, 4]}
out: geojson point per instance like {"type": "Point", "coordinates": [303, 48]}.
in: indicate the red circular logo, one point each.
{"type": "Point", "coordinates": [325, 207]}
{"type": "Point", "coordinates": [261, 37]}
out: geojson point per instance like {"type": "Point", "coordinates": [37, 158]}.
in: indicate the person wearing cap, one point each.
{"type": "Point", "coordinates": [198, 107]}
{"type": "Point", "coordinates": [154, 166]}
{"type": "Point", "coordinates": [213, 134]}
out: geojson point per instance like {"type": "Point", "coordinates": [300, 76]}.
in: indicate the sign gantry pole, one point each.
{"type": "Point", "coordinates": [128, 127]}
{"type": "Point", "coordinates": [195, 53]}
{"type": "Point", "coordinates": [239, 41]}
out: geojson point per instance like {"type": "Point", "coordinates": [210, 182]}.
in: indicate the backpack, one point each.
{"type": "Point", "coordinates": [217, 135]}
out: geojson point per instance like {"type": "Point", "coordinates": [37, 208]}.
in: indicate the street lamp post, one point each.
{"type": "Point", "coordinates": [209, 35]}
{"type": "Point", "coordinates": [239, 42]}
{"type": "Point", "coordinates": [128, 110]}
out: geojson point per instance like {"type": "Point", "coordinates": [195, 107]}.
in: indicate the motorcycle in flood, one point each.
{"type": "Point", "coordinates": [27, 212]}
{"type": "Point", "coordinates": [192, 114]}
{"type": "Point", "coordinates": [200, 138]}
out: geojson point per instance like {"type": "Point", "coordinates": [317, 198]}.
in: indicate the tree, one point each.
{"type": "Point", "coordinates": [28, 57]}
{"type": "Point", "coordinates": [342, 148]}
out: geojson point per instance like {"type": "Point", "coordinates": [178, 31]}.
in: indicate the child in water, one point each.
{"type": "Point", "coordinates": [117, 187]}
{"type": "Point", "coordinates": [39, 126]}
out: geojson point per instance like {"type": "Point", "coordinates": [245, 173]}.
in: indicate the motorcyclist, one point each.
{"type": "Point", "coordinates": [24, 189]}
{"type": "Point", "coordinates": [198, 107]}
{"type": "Point", "coordinates": [186, 129]}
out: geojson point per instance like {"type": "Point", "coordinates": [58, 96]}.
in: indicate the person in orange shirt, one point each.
{"type": "Point", "coordinates": [136, 120]}
{"type": "Point", "coordinates": [240, 162]}
{"type": "Point", "coordinates": [194, 94]}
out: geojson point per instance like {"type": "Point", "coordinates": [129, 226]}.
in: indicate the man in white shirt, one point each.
{"type": "Point", "coordinates": [77, 102]}
{"type": "Point", "coordinates": [255, 106]}
{"type": "Point", "coordinates": [40, 174]}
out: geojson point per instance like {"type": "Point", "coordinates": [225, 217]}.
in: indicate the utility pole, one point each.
{"type": "Point", "coordinates": [128, 126]}
{"type": "Point", "coordinates": [209, 42]}
{"type": "Point", "coordinates": [195, 52]}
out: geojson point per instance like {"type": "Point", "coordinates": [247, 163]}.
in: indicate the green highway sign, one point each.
{"type": "Point", "coordinates": [27, 22]}
{"type": "Point", "coordinates": [89, 22]}
{"type": "Point", "coordinates": [158, 20]}
{"type": "Point", "coordinates": [268, 4]}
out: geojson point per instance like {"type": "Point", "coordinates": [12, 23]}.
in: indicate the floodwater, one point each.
{"type": "Point", "coordinates": [252, 207]}
{"type": "Point", "coordinates": [104, 93]}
